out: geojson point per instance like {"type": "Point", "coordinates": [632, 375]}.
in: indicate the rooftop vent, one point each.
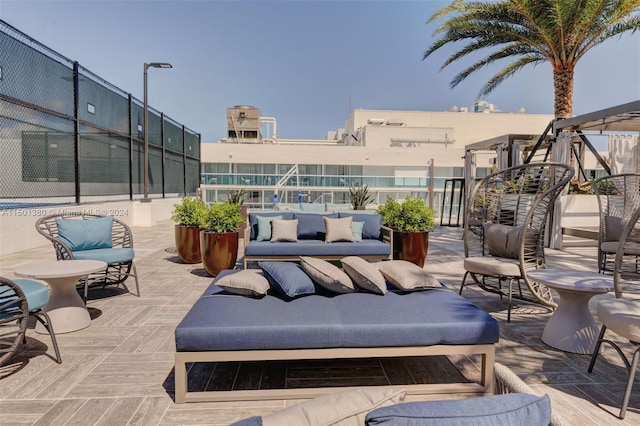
{"type": "Point", "coordinates": [376, 121]}
{"type": "Point", "coordinates": [395, 122]}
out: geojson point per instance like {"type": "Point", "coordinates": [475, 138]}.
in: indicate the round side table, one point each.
{"type": "Point", "coordinates": [65, 307]}
{"type": "Point", "coordinates": [572, 327]}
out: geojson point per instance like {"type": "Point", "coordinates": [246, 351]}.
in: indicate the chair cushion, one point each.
{"type": "Point", "coordinates": [407, 276]}
{"type": "Point", "coordinates": [327, 275]}
{"type": "Point", "coordinates": [284, 230]}
{"type": "Point", "coordinates": [364, 274]}
{"type": "Point", "coordinates": [613, 227]}
{"type": "Point", "coordinates": [37, 294]}
{"type": "Point", "coordinates": [493, 266]}
{"type": "Point", "coordinates": [251, 421]}
{"type": "Point", "coordinates": [264, 227]}
{"type": "Point", "coordinates": [346, 408]}
{"type": "Point", "coordinates": [86, 234]}
{"type": "Point", "coordinates": [287, 278]}
{"type": "Point", "coordinates": [372, 223]}
{"type": "Point", "coordinates": [506, 409]}
{"type": "Point", "coordinates": [503, 240]}
{"type": "Point", "coordinates": [338, 230]}
{"type": "Point", "coordinates": [248, 282]}
{"type": "Point", "coordinates": [612, 247]}
{"type": "Point", "coordinates": [110, 255]}
{"type": "Point", "coordinates": [622, 316]}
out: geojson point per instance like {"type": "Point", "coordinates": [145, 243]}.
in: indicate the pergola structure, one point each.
{"type": "Point", "coordinates": [561, 140]}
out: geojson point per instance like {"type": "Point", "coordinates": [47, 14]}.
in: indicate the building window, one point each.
{"type": "Point", "coordinates": [91, 109]}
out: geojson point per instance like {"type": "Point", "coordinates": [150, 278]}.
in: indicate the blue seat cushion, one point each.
{"type": "Point", "coordinates": [507, 409]}
{"type": "Point", "coordinates": [372, 223]}
{"type": "Point", "coordinates": [36, 293]}
{"type": "Point", "coordinates": [112, 256]}
{"type": "Point", "coordinates": [318, 248]}
{"type": "Point", "coordinates": [253, 220]}
{"type": "Point", "coordinates": [311, 225]}
{"type": "Point", "coordinates": [86, 234]}
{"type": "Point", "coordinates": [431, 317]}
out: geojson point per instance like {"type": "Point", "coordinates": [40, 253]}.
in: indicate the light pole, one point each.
{"type": "Point", "coordinates": [146, 198]}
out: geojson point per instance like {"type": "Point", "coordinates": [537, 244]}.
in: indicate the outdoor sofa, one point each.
{"type": "Point", "coordinates": [224, 327]}
{"type": "Point", "coordinates": [310, 239]}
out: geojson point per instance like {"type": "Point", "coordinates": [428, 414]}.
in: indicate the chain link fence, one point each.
{"type": "Point", "coordinates": [68, 136]}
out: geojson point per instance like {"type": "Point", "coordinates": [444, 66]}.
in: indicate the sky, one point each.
{"type": "Point", "coordinates": [306, 63]}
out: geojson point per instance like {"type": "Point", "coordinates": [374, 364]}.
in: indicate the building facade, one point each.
{"type": "Point", "coordinates": [395, 153]}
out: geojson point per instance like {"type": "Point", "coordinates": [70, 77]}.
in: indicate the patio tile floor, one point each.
{"type": "Point", "coordinates": [120, 369]}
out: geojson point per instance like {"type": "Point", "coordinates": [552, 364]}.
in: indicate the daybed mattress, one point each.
{"type": "Point", "coordinates": [222, 322]}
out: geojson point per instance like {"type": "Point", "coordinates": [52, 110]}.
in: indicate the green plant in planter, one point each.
{"type": "Point", "coordinates": [360, 197]}
{"type": "Point", "coordinates": [222, 217]}
{"type": "Point", "coordinates": [189, 213]}
{"type": "Point", "coordinates": [412, 215]}
{"type": "Point", "coordinates": [236, 196]}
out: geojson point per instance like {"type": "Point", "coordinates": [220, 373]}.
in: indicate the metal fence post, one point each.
{"type": "Point", "coordinates": [76, 129]}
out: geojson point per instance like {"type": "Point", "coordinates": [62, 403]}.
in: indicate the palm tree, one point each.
{"type": "Point", "coordinates": [531, 32]}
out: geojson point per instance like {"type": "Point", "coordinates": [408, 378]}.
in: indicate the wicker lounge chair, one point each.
{"type": "Point", "coordinates": [20, 299]}
{"type": "Point", "coordinates": [618, 198]}
{"type": "Point", "coordinates": [119, 257]}
{"type": "Point", "coordinates": [505, 228]}
{"type": "Point", "coordinates": [621, 315]}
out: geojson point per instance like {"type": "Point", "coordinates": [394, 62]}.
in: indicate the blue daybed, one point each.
{"type": "Point", "coordinates": [223, 327]}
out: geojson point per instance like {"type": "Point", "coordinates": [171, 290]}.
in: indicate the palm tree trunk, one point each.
{"type": "Point", "coordinates": [563, 92]}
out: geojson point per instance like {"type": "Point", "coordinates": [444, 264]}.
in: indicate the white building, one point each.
{"type": "Point", "coordinates": [390, 151]}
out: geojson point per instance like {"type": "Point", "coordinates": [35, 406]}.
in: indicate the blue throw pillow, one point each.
{"type": "Point", "coordinates": [86, 234]}
{"type": "Point", "coordinates": [264, 227]}
{"type": "Point", "coordinates": [356, 227]}
{"type": "Point", "coordinates": [287, 278]}
{"type": "Point", "coordinates": [507, 409]}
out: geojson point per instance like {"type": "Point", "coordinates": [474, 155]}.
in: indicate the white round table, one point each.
{"type": "Point", "coordinates": [572, 327]}
{"type": "Point", "coordinates": [65, 307]}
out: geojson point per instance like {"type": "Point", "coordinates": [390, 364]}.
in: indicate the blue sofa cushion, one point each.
{"type": "Point", "coordinates": [507, 409]}
{"type": "Point", "coordinates": [318, 248]}
{"type": "Point", "coordinates": [430, 317]}
{"type": "Point", "coordinates": [372, 223]}
{"type": "Point", "coordinates": [311, 225]}
{"type": "Point", "coordinates": [86, 234]}
{"type": "Point", "coordinates": [253, 221]}
{"type": "Point", "coordinates": [287, 278]}
{"type": "Point", "coordinates": [110, 255]}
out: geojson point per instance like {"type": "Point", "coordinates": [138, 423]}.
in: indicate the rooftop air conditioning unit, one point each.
{"type": "Point", "coordinates": [395, 122]}
{"type": "Point", "coordinates": [376, 121]}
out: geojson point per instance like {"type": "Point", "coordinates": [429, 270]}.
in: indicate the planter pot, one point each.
{"type": "Point", "coordinates": [361, 208]}
{"type": "Point", "coordinates": [411, 246]}
{"type": "Point", "coordinates": [219, 251]}
{"type": "Point", "coordinates": [188, 243]}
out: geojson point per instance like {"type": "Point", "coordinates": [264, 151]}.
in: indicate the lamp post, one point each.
{"type": "Point", "coordinates": [146, 198]}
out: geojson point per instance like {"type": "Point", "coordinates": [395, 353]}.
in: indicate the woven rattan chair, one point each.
{"type": "Point", "coordinates": [505, 228]}
{"type": "Point", "coordinates": [618, 198]}
{"type": "Point", "coordinates": [20, 299]}
{"type": "Point", "coordinates": [621, 315]}
{"type": "Point", "coordinates": [119, 259]}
